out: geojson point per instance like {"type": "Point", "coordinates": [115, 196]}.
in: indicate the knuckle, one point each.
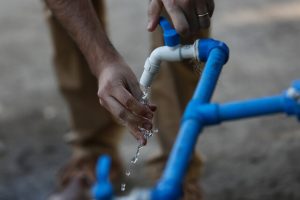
{"type": "Point", "coordinates": [107, 87]}
{"type": "Point", "coordinates": [101, 95]}
{"type": "Point", "coordinates": [185, 3]}
{"type": "Point", "coordinates": [104, 89]}
{"type": "Point", "coordinates": [150, 11]}
{"type": "Point", "coordinates": [129, 102]}
{"type": "Point", "coordinates": [122, 114]}
{"type": "Point", "coordinates": [170, 3]}
{"type": "Point", "coordinates": [182, 29]}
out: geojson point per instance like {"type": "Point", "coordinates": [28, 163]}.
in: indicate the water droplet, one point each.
{"type": "Point", "coordinates": [146, 95]}
{"type": "Point", "coordinates": [123, 187]}
{"type": "Point", "coordinates": [134, 160]}
{"type": "Point", "coordinates": [146, 133]}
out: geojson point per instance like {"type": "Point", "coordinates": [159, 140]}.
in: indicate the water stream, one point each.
{"type": "Point", "coordinates": [146, 133]}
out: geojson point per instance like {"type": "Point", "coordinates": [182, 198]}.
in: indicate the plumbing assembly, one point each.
{"type": "Point", "coordinates": [198, 113]}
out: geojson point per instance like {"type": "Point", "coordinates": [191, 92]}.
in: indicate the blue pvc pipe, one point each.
{"type": "Point", "coordinates": [103, 189]}
{"type": "Point", "coordinates": [212, 114]}
{"type": "Point", "coordinates": [169, 186]}
{"type": "Point", "coordinates": [210, 76]}
{"type": "Point", "coordinates": [251, 108]}
{"type": "Point", "coordinates": [197, 116]}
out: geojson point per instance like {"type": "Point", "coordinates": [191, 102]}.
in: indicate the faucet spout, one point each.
{"type": "Point", "coordinates": [165, 53]}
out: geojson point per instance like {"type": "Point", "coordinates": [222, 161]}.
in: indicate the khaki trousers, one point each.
{"type": "Point", "coordinates": [94, 130]}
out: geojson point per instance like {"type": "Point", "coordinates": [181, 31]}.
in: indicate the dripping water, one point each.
{"type": "Point", "coordinates": [146, 133]}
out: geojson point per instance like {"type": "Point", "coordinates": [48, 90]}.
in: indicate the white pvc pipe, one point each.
{"type": "Point", "coordinates": [165, 53]}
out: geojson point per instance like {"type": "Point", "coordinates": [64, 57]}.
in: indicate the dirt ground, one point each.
{"type": "Point", "coordinates": [256, 159]}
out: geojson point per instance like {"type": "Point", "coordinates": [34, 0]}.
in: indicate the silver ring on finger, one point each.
{"type": "Point", "coordinates": [203, 15]}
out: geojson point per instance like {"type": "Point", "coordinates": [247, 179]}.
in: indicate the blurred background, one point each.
{"type": "Point", "coordinates": [257, 159]}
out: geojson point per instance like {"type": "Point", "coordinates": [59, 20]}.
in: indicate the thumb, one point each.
{"type": "Point", "coordinates": [154, 11]}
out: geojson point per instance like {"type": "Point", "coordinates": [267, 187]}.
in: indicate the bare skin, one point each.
{"type": "Point", "coordinates": [118, 87]}
{"type": "Point", "coordinates": [185, 15]}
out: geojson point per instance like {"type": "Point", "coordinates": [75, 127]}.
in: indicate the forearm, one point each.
{"type": "Point", "coordinates": [79, 18]}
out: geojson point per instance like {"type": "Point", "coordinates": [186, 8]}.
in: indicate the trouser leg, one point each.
{"type": "Point", "coordinates": [171, 91]}
{"type": "Point", "coordinates": [94, 131]}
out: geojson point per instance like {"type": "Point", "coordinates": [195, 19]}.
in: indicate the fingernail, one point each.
{"type": "Point", "coordinates": [153, 109]}
{"type": "Point", "coordinates": [147, 126]}
{"type": "Point", "coordinates": [142, 142]}
{"type": "Point", "coordinates": [149, 25]}
{"type": "Point", "coordinates": [149, 115]}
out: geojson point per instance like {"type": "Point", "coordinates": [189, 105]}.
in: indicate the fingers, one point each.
{"type": "Point", "coordinates": [192, 18]}
{"type": "Point", "coordinates": [131, 103]}
{"type": "Point", "coordinates": [211, 7]}
{"type": "Point", "coordinates": [120, 94]}
{"type": "Point", "coordinates": [154, 10]}
{"type": "Point", "coordinates": [152, 107]}
{"type": "Point", "coordinates": [188, 16]}
{"type": "Point", "coordinates": [177, 16]}
{"type": "Point", "coordinates": [135, 90]}
{"type": "Point", "coordinates": [136, 132]}
{"type": "Point", "coordinates": [133, 121]}
{"type": "Point", "coordinates": [202, 14]}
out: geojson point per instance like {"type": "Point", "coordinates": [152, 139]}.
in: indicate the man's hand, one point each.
{"type": "Point", "coordinates": [119, 90]}
{"type": "Point", "coordinates": [119, 93]}
{"type": "Point", "coordinates": [188, 16]}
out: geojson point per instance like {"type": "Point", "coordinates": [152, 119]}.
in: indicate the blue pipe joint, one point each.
{"type": "Point", "coordinates": [171, 37]}
{"type": "Point", "coordinates": [207, 114]}
{"type": "Point", "coordinates": [204, 47]}
{"type": "Point", "coordinates": [292, 100]}
{"type": "Point", "coordinates": [103, 189]}
{"type": "Point", "coordinates": [166, 191]}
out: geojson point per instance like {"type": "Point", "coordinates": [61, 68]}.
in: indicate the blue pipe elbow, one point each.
{"type": "Point", "coordinates": [211, 114]}
{"type": "Point", "coordinates": [207, 114]}
{"type": "Point", "coordinates": [103, 189]}
{"type": "Point", "coordinates": [204, 47]}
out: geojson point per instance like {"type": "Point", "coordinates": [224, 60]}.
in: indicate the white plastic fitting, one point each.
{"type": "Point", "coordinates": [165, 53]}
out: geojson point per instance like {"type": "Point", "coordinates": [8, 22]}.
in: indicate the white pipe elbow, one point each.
{"type": "Point", "coordinates": [165, 53]}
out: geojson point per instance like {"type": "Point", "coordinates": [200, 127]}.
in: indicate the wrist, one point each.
{"type": "Point", "coordinates": [103, 58]}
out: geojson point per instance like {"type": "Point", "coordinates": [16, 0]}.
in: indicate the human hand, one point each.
{"type": "Point", "coordinates": [188, 16]}
{"type": "Point", "coordinates": [118, 90]}
{"type": "Point", "coordinates": [119, 93]}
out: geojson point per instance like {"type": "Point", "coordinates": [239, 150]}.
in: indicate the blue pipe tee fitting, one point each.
{"type": "Point", "coordinates": [205, 46]}
{"type": "Point", "coordinates": [211, 113]}
{"type": "Point", "coordinates": [207, 114]}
